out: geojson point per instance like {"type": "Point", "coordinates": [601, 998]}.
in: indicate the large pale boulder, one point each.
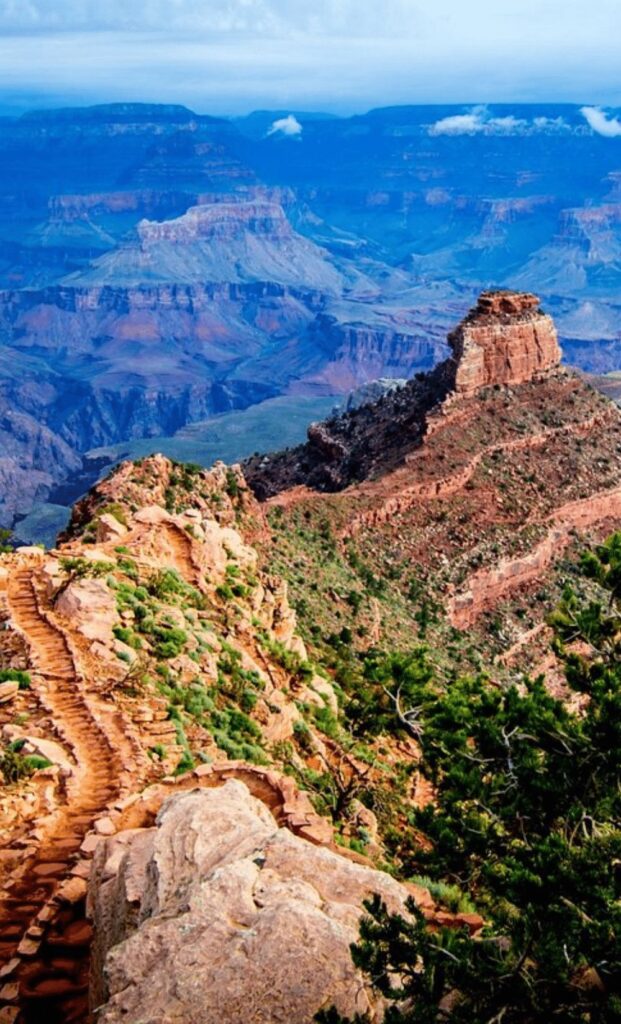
{"type": "Point", "coordinates": [218, 916]}
{"type": "Point", "coordinates": [234, 545]}
{"type": "Point", "coordinates": [48, 749]}
{"type": "Point", "coordinates": [8, 691]}
{"type": "Point", "coordinates": [90, 605]}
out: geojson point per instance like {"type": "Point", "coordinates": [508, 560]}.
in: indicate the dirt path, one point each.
{"type": "Point", "coordinates": [44, 938]}
{"type": "Point", "coordinates": [181, 548]}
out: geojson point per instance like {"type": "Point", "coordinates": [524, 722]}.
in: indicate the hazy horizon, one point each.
{"type": "Point", "coordinates": [337, 56]}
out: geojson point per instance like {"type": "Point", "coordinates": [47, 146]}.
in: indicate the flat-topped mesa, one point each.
{"type": "Point", "coordinates": [505, 339]}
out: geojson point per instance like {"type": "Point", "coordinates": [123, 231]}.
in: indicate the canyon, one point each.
{"type": "Point", "coordinates": [188, 792]}
{"type": "Point", "coordinates": [160, 267]}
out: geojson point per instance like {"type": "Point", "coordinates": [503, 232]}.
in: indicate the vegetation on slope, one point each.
{"type": "Point", "coordinates": [526, 820]}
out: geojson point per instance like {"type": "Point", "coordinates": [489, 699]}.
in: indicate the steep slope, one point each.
{"type": "Point", "coordinates": [151, 642]}
{"type": "Point", "coordinates": [156, 653]}
{"type": "Point", "coordinates": [147, 656]}
{"type": "Point", "coordinates": [457, 494]}
{"type": "Point", "coordinates": [217, 309]}
{"type": "Point", "coordinates": [504, 341]}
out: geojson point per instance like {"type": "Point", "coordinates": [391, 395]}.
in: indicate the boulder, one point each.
{"type": "Point", "coordinates": [8, 691]}
{"type": "Point", "coordinates": [218, 916]}
{"type": "Point", "coordinates": [90, 605]}
{"type": "Point", "coordinates": [109, 529]}
{"type": "Point", "coordinates": [50, 750]}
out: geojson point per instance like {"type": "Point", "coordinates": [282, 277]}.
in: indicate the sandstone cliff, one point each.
{"type": "Point", "coordinates": [505, 339]}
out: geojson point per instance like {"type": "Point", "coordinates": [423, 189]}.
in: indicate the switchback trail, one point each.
{"type": "Point", "coordinates": [44, 937]}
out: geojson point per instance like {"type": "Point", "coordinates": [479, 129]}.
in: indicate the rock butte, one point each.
{"type": "Point", "coordinates": [505, 339]}
{"type": "Point", "coordinates": [512, 453]}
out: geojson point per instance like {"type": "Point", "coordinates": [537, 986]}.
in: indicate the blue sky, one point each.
{"type": "Point", "coordinates": [232, 56]}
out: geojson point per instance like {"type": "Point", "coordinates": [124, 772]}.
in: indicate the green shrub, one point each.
{"type": "Point", "coordinates": [128, 567]}
{"type": "Point", "coordinates": [327, 722]}
{"type": "Point", "coordinates": [170, 640]}
{"type": "Point", "coordinates": [127, 636]}
{"type": "Point", "coordinates": [13, 766]}
{"type": "Point", "coordinates": [232, 484]}
{"type": "Point", "coordinates": [16, 675]}
{"type": "Point", "coordinates": [248, 700]}
{"type": "Point", "coordinates": [158, 751]}
{"type": "Point", "coordinates": [165, 582]}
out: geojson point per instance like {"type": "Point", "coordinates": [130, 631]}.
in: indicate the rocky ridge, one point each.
{"type": "Point", "coordinates": [504, 341]}
{"type": "Point", "coordinates": [152, 641]}
{"type": "Point", "coordinates": [471, 480]}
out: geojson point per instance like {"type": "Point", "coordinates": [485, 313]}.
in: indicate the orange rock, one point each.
{"type": "Point", "coordinates": [505, 339]}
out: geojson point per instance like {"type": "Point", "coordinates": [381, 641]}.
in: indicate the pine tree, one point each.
{"type": "Point", "coordinates": [527, 820]}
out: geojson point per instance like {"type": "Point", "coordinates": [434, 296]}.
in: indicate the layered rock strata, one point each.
{"type": "Point", "coordinates": [473, 480]}
{"type": "Point", "coordinates": [505, 339]}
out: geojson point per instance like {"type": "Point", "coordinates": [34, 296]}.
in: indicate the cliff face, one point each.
{"type": "Point", "coordinates": [504, 340]}
{"type": "Point", "coordinates": [105, 363]}
{"type": "Point", "coordinates": [221, 243]}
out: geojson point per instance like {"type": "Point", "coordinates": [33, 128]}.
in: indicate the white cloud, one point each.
{"type": "Point", "coordinates": [458, 124]}
{"type": "Point", "coordinates": [289, 126]}
{"type": "Point", "coordinates": [478, 120]}
{"type": "Point", "coordinates": [552, 124]}
{"type": "Point", "coordinates": [601, 123]}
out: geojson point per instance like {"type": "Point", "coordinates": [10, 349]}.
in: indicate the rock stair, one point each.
{"type": "Point", "coordinates": [44, 937]}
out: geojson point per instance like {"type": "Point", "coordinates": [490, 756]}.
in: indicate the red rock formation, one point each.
{"type": "Point", "coordinates": [505, 339]}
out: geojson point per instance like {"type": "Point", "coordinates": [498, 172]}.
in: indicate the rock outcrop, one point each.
{"type": "Point", "coordinates": [117, 696]}
{"type": "Point", "coordinates": [218, 915]}
{"type": "Point", "coordinates": [505, 339]}
{"type": "Point", "coordinates": [471, 481]}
